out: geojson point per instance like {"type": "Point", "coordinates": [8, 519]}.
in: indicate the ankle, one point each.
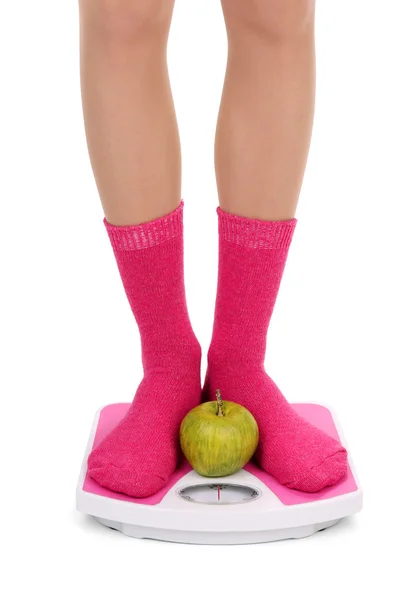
{"type": "Point", "coordinates": [175, 355]}
{"type": "Point", "coordinates": [190, 353]}
{"type": "Point", "coordinates": [230, 359]}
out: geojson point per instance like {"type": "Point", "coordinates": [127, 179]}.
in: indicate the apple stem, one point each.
{"type": "Point", "coordinates": [220, 412]}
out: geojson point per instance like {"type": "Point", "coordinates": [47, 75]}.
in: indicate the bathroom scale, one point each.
{"type": "Point", "coordinates": [247, 507]}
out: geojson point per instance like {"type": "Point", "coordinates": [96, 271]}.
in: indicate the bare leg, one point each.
{"type": "Point", "coordinates": [267, 107]}
{"type": "Point", "coordinates": [128, 109]}
{"type": "Point", "coordinates": [134, 148]}
{"type": "Point", "coordinates": [262, 143]}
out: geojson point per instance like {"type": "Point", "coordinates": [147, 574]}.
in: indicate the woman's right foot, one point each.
{"type": "Point", "coordinates": [141, 453]}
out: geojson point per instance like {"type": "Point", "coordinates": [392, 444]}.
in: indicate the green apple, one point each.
{"type": "Point", "coordinates": [219, 437]}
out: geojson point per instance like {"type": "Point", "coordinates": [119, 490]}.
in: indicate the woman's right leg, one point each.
{"type": "Point", "coordinates": [134, 149]}
{"type": "Point", "coordinates": [128, 109]}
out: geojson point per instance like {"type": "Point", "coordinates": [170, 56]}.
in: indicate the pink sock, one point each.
{"type": "Point", "coordinates": [140, 454]}
{"type": "Point", "coordinates": [252, 256]}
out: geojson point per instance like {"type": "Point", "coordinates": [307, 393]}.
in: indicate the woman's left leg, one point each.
{"type": "Point", "coordinates": [267, 107]}
{"type": "Point", "coordinates": [262, 142]}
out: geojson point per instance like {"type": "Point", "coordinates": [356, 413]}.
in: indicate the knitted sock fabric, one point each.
{"type": "Point", "coordinates": [140, 454]}
{"type": "Point", "coordinates": [252, 257]}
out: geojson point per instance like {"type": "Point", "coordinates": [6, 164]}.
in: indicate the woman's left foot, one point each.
{"type": "Point", "coordinates": [252, 257]}
{"type": "Point", "coordinates": [298, 454]}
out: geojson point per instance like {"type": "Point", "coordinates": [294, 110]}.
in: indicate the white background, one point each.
{"type": "Point", "coordinates": [69, 343]}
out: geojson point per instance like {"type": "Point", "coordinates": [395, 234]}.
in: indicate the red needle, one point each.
{"type": "Point", "coordinates": [219, 493]}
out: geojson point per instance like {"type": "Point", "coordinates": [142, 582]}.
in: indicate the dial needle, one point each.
{"type": "Point", "coordinates": [219, 493]}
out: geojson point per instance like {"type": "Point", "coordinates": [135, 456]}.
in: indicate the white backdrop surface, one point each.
{"type": "Point", "coordinates": [69, 344]}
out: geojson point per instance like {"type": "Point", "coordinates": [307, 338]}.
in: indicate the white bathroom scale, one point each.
{"type": "Point", "coordinates": [247, 507]}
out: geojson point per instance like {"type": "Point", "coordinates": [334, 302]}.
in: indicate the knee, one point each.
{"type": "Point", "coordinates": [275, 20]}
{"type": "Point", "coordinates": [129, 21]}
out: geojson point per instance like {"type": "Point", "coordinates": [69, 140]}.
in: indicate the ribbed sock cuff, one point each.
{"type": "Point", "coordinates": [146, 235]}
{"type": "Point", "coordinates": [254, 233]}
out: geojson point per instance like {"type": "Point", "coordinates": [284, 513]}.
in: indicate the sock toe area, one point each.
{"type": "Point", "coordinates": [329, 472]}
{"type": "Point", "coordinates": [126, 480]}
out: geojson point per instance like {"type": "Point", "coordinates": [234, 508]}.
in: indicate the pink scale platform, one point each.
{"type": "Point", "coordinates": [247, 507]}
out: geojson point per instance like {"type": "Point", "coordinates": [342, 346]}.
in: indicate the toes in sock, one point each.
{"type": "Point", "coordinates": [140, 454]}
{"type": "Point", "coordinates": [252, 257]}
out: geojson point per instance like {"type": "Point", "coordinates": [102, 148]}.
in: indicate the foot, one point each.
{"type": "Point", "coordinates": [141, 453]}
{"type": "Point", "coordinates": [298, 454]}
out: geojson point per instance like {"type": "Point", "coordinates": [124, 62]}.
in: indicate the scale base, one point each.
{"type": "Point", "coordinates": [218, 537]}
{"type": "Point", "coordinates": [247, 507]}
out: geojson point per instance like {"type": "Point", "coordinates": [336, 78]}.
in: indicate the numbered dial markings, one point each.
{"type": "Point", "coordinates": [219, 493]}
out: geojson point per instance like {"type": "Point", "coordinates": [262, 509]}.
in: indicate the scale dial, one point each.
{"type": "Point", "coordinates": [219, 493]}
